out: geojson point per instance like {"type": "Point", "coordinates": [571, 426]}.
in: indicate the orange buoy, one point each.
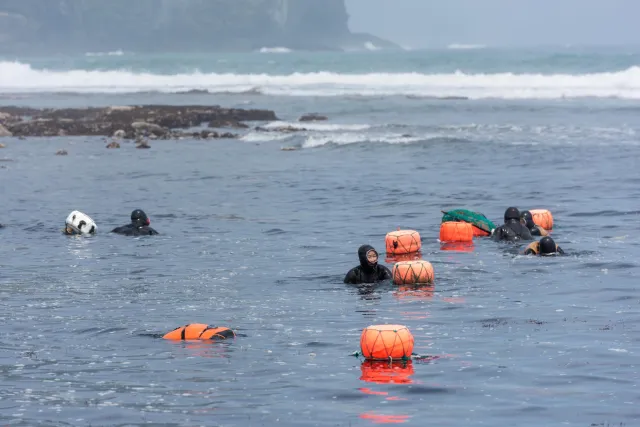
{"type": "Point", "coordinates": [478, 232]}
{"type": "Point", "coordinates": [384, 342]}
{"type": "Point", "coordinates": [412, 272]}
{"type": "Point", "coordinates": [403, 242]}
{"type": "Point", "coordinates": [543, 218]}
{"type": "Point", "coordinates": [199, 331]}
{"type": "Point", "coordinates": [455, 231]}
{"type": "Point", "coordinates": [383, 372]}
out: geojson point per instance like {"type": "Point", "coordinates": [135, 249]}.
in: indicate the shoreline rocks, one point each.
{"type": "Point", "coordinates": [312, 117]}
{"type": "Point", "coordinates": [127, 122]}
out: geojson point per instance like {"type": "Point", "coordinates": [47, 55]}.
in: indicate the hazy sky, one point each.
{"type": "Point", "coordinates": [435, 23]}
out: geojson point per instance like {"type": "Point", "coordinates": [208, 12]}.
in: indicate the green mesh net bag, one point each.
{"type": "Point", "coordinates": [474, 218]}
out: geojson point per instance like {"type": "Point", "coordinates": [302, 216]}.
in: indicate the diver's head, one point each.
{"type": "Point", "coordinates": [527, 218]}
{"type": "Point", "coordinates": [368, 256]}
{"type": "Point", "coordinates": [79, 223]}
{"type": "Point", "coordinates": [511, 213]}
{"type": "Point", "coordinates": [547, 246]}
{"type": "Point", "coordinates": [139, 218]}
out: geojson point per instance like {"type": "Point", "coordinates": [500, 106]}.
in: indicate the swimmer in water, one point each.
{"type": "Point", "coordinates": [139, 225]}
{"type": "Point", "coordinates": [78, 223]}
{"type": "Point", "coordinates": [513, 230]}
{"type": "Point", "coordinates": [535, 229]}
{"type": "Point", "coordinates": [545, 247]}
{"type": "Point", "coordinates": [369, 271]}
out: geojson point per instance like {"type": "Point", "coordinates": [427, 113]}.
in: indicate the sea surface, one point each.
{"type": "Point", "coordinates": [259, 239]}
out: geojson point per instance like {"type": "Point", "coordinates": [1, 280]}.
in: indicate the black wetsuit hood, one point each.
{"type": "Point", "coordinates": [139, 218]}
{"type": "Point", "coordinates": [362, 255]}
{"type": "Point", "coordinates": [511, 213]}
{"type": "Point", "coordinates": [548, 246]}
{"type": "Point", "coordinates": [528, 218]}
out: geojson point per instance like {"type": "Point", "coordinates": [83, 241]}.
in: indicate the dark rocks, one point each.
{"type": "Point", "coordinates": [280, 129]}
{"type": "Point", "coordinates": [143, 144]}
{"type": "Point", "coordinates": [113, 145]}
{"type": "Point", "coordinates": [61, 153]}
{"type": "Point", "coordinates": [227, 124]}
{"type": "Point", "coordinates": [312, 117]}
{"type": "Point", "coordinates": [127, 122]}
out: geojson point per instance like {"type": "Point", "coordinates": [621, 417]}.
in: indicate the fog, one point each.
{"type": "Point", "coordinates": [430, 23]}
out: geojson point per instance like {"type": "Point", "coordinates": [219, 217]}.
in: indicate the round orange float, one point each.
{"type": "Point", "coordinates": [403, 242]}
{"type": "Point", "coordinates": [478, 232]}
{"type": "Point", "coordinates": [199, 331]}
{"type": "Point", "coordinates": [455, 231]}
{"type": "Point", "coordinates": [543, 218]}
{"type": "Point", "coordinates": [412, 272]}
{"type": "Point", "coordinates": [384, 342]}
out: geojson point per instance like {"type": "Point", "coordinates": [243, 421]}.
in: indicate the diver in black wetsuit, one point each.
{"type": "Point", "coordinates": [139, 225]}
{"type": "Point", "coordinates": [369, 271]}
{"type": "Point", "coordinates": [513, 230]}
{"type": "Point", "coordinates": [545, 247]}
{"type": "Point", "coordinates": [535, 229]}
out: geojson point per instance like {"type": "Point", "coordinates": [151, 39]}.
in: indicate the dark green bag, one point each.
{"type": "Point", "coordinates": [474, 218]}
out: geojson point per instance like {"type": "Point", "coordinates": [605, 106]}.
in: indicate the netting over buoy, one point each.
{"type": "Point", "coordinates": [454, 231]}
{"type": "Point", "coordinates": [384, 342]}
{"type": "Point", "coordinates": [199, 331]}
{"type": "Point", "coordinates": [543, 218]}
{"type": "Point", "coordinates": [403, 242]}
{"type": "Point", "coordinates": [412, 272]}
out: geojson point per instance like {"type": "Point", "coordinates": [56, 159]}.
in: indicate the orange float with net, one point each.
{"type": "Point", "coordinates": [412, 272]}
{"type": "Point", "coordinates": [543, 218]}
{"type": "Point", "coordinates": [402, 242]}
{"type": "Point", "coordinates": [199, 331]}
{"type": "Point", "coordinates": [456, 231]}
{"type": "Point", "coordinates": [385, 342]}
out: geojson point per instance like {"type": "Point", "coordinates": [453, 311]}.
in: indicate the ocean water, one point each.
{"type": "Point", "coordinates": [259, 239]}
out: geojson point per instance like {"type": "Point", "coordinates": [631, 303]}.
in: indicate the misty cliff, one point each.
{"type": "Point", "coordinates": [54, 26]}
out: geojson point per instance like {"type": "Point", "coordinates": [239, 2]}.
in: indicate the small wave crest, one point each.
{"type": "Point", "coordinates": [320, 127]}
{"type": "Point", "coordinates": [114, 53]}
{"type": "Point", "coordinates": [462, 46]}
{"type": "Point", "coordinates": [17, 77]}
{"type": "Point", "coordinates": [347, 139]}
{"type": "Point", "coordinates": [278, 49]}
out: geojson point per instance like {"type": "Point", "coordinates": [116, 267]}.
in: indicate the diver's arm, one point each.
{"type": "Point", "coordinates": [351, 277]}
{"type": "Point", "coordinates": [384, 273]}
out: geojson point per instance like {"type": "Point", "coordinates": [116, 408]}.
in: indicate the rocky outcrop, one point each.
{"type": "Point", "coordinates": [130, 122]}
{"type": "Point", "coordinates": [312, 117]}
{"type": "Point", "coordinates": [57, 26]}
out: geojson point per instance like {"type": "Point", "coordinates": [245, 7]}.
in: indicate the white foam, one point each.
{"type": "Point", "coordinates": [466, 46]}
{"type": "Point", "coordinates": [16, 77]}
{"type": "Point", "coordinates": [319, 127]}
{"type": "Point", "coordinates": [275, 50]}
{"type": "Point", "coordinates": [347, 139]}
{"type": "Point", "coordinates": [114, 53]}
{"type": "Point", "coordinates": [265, 136]}
{"type": "Point", "coordinates": [371, 46]}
